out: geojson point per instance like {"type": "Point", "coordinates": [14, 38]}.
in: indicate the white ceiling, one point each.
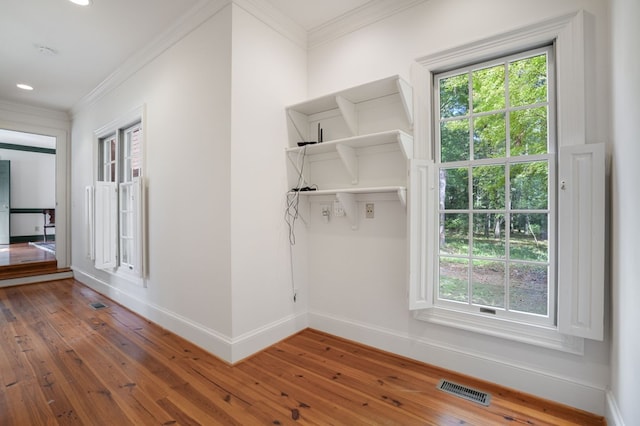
{"type": "Point", "coordinates": [87, 44]}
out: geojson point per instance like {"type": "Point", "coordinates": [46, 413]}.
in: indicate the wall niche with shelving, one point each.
{"type": "Point", "coordinates": [356, 141]}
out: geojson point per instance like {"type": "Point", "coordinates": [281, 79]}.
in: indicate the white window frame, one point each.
{"type": "Point", "coordinates": [550, 158]}
{"type": "Point", "coordinates": [118, 225]}
{"type": "Point", "coordinates": [580, 303]}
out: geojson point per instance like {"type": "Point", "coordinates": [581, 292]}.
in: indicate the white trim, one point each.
{"type": "Point", "coordinates": [581, 240]}
{"type": "Point", "coordinates": [50, 123]}
{"type": "Point", "coordinates": [195, 17]}
{"type": "Point", "coordinates": [612, 414]}
{"type": "Point", "coordinates": [36, 279]}
{"type": "Point", "coordinates": [231, 350]}
{"type": "Point", "coordinates": [569, 33]}
{"type": "Point", "coordinates": [267, 335]}
{"type": "Point", "coordinates": [367, 14]}
{"type": "Point", "coordinates": [274, 18]}
{"type": "Point", "coordinates": [199, 14]}
{"type": "Point", "coordinates": [546, 337]}
{"type": "Point", "coordinates": [35, 111]}
{"type": "Point", "coordinates": [566, 390]}
{"type": "Point", "coordinates": [207, 338]}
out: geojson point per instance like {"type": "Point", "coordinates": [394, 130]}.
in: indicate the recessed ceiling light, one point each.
{"type": "Point", "coordinates": [81, 2]}
{"type": "Point", "coordinates": [24, 86]}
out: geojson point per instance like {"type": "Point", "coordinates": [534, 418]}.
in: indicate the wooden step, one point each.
{"type": "Point", "coordinates": [28, 269]}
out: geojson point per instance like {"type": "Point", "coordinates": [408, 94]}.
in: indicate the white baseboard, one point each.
{"type": "Point", "coordinates": [208, 339]}
{"type": "Point", "coordinates": [512, 375]}
{"type": "Point", "coordinates": [36, 279]}
{"type": "Point", "coordinates": [263, 337]}
{"type": "Point", "coordinates": [613, 415]}
{"type": "Point", "coordinates": [228, 349]}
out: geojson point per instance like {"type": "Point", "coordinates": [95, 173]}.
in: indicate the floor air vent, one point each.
{"type": "Point", "coordinates": [97, 305]}
{"type": "Point", "coordinates": [464, 392]}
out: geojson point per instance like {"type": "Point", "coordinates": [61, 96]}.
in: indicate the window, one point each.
{"type": "Point", "coordinates": [506, 197]}
{"type": "Point", "coordinates": [118, 201]}
{"type": "Point", "coordinates": [495, 156]}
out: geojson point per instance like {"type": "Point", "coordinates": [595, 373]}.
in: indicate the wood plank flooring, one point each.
{"type": "Point", "coordinates": [23, 260]}
{"type": "Point", "coordinates": [20, 253]}
{"type": "Point", "coordinates": [62, 362]}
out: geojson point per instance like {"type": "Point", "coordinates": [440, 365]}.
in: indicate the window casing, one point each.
{"type": "Point", "coordinates": [118, 212]}
{"type": "Point", "coordinates": [578, 184]}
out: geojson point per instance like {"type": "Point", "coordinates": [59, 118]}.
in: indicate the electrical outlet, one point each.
{"type": "Point", "coordinates": [338, 209]}
{"type": "Point", "coordinates": [368, 211]}
{"type": "Point", "coordinates": [326, 212]}
{"type": "Point", "coordinates": [37, 229]}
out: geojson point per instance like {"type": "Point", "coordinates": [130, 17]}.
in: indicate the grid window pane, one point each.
{"type": "Point", "coordinates": [454, 279]}
{"type": "Point", "coordinates": [488, 89]}
{"type": "Point", "coordinates": [487, 287]}
{"type": "Point", "coordinates": [454, 234]}
{"type": "Point", "coordinates": [454, 188]}
{"type": "Point", "coordinates": [530, 185]}
{"type": "Point", "coordinates": [488, 187]}
{"type": "Point", "coordinates": [489, 239]}
{"type": "Point", "coordinates": [489, 136]}
{"type": "Point", "coordinates": [529, 133]}
{"type": "Point", "coordinates": [454, 140]}
{"type": "Point", "coordinates": [529, 237]}
{"type": "Point", "coordinates": [528, 81]}
{"type": "Point", "coordinates": [529, 288]}
{"type": "Point", "coordinates": [454, 96]}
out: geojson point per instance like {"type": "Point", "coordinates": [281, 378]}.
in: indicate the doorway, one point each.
{"type": "Point", "coordinates": [5, 201]}
{"type": "Point", "coordinates": [28, 174]}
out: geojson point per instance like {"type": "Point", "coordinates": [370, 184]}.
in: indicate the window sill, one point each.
{"type": "Point", "coordinates": [127, 276]}
{"type": "Point", "coordinates": [546, 337]}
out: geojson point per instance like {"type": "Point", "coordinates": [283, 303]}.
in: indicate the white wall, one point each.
{"type": "Point", "coordinates": [269, 72]}
{"type": "Point", "coordinates": [219, 263]}
{"type": "Point", "coordinates": [187, 93]}
{"type": "Point", "coordinates": [358, 279]}
{"type": "Point", "coordinates": [33, 185]}
{"type": "Point", "coordinates": [625, 66]}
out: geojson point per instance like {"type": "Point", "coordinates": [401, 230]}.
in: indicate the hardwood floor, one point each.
{"type": "Point", "coordinates": [61, 362]}
{"type": "Point", "coordinates": [23, 260]}
{"type": "Point", "coordinates": [20, 253]}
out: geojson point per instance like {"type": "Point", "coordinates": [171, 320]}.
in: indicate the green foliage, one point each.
{"type": "Point", "coordinates": [454, 139]}
{"type": "Point", "coordinates": [488, 89]}
{"type": "Point", "coordinates": [455, 182]}
{"type": "Point", "coordinates": [528, 134]}
{"type": "Point", "coordinates": [454, 96]}
{"type": "Point", "coordinates": [489, 136]}
{"type": "Point", "coordinates": [528, 81]}
{"type": "Point", "coordinates": [488, 187]}
{"type": "Point", "coordinates": [529, 185]}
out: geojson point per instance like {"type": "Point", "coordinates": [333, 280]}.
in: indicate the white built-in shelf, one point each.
{"type": "Point", "coordinates": [403, 139]}
{"type": "Point", "coordinates": [348, 200]}
{"type": "Point", "coordinates": [346, 101]}
{"type": "Point", "coordinates": [365, 133]}
{"type": "Point", "coordinates": [346, 148]}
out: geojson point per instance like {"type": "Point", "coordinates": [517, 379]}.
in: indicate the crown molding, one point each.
{"type": "Point", "coordinates": [199, 14]}
{"type": "Point", "coordinates": [41, 112]}
{"type": "Point", "coordinates": [195, 17]}
{"type": "Point", "coordinates": [360, 17]}
{"type": "Point", "coordinates": [278, 21]}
